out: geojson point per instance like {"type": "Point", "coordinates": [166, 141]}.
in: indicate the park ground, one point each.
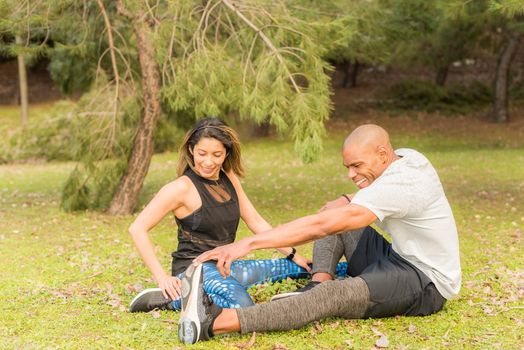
{"type": "Point", "coordinates": [67, 278]}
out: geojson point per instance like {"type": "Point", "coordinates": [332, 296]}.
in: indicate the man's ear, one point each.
{"type": "Point", "coordinates": [382, 154]}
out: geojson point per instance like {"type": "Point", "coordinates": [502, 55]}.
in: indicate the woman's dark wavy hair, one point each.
{"type": "Point", "coordinates": [219, 130]}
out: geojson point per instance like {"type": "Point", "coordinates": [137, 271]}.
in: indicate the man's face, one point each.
{"type": "Point", "coordinates": [364, 164]}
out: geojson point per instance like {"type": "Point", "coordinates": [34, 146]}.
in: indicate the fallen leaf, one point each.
{"type": "Point", "coordinates": [317, 328]}
{"type": "Point", "coordinates": [155, 314]}
{"type": "Point", "coordinates": [382, 342]}
{"type": "Point", "coordinates": [488, 311]}
{"type": "Point", "coordinates": [279, 346]}
{"type": "Point", "coordinates": [445, 336]}
{"type": "Point", "coordinates": [247, 344]}
{"type": "Point", "coordinates": [349, 343]}
{"type": "Point", "coordinates": [376, 331]}
{"type": "Point", "coordinates": [335, 324]}
{"type": "Point", "coordinates": [114, 302]}
{"type": "Point", "coordinates": [130, 288]}
{"type": "Point", "coordinates": [412, 329]}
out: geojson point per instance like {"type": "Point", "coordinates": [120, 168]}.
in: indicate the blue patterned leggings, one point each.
{"type": "Point", "coordinates": [231, 292]}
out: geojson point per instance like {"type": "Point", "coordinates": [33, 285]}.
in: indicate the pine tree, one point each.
{"type": "Point", "coordinates": [173, 57]}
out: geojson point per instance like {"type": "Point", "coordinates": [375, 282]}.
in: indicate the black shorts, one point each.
{"type": "Point", "coordinates": [396, 287]}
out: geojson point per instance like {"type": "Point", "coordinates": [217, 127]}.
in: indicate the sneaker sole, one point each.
{"type": "Point", "coordinates": [189, 323]}
{"type": "Point", "coordinates": [284, 296]}
{"type": "Point", "coordinates": [140, 295]}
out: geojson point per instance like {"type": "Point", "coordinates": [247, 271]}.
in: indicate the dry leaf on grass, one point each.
{"type": "Point", "coordinates": [335, 325]}
{"type": "Point", "coordinates": [317, 328]}
{"type": "Point", "coordinates": [279, 346]}
{"type": "Point", "coordinates": [247, 344]}
{"type": "Point", "coordinates": [382, 341]}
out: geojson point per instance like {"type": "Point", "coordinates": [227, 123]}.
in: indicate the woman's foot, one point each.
{"type": "Point", "coordinates": [150, 299]}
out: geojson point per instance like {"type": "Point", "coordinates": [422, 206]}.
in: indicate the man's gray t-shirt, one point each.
{"type": "Point", "coordinates": [410, 204]}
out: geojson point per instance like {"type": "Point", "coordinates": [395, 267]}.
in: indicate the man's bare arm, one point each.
{"type": "Point", "coordinates": [296, 232]}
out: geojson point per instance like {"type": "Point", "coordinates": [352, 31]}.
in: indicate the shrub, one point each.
{"type": "Point", "coordinates": [425, 95]}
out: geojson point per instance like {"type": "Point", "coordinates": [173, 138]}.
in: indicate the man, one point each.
{"type": "Point", "coordinates": [401, 193]}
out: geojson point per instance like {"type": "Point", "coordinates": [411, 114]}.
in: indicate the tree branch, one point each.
{"type": "Point", "coordinates": [264, 38]}
{"type": "Point", "coordinates": [113, 62]}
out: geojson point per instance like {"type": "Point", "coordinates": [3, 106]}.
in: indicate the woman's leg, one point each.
{"type": "Point", "coordinates": [225, 292]}
{"type": "Point", "coordinates": [251, 272]}
{"type": "Point", "coordinates": [231, 292]}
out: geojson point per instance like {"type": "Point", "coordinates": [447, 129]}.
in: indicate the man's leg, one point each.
{"type": "Point", "coordinates": [328, 251]}
{"type": "Point", "coordinates": [347, 298]}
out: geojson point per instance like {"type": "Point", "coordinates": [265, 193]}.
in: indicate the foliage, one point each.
{"type": "Point", "coordinates": [446, 37]}
{"type": "Point", "coordinates": [266, 66]}
{"type": "Point", "coordinates": [59, 132]}
{"type": "Point", "coordinates": [254, 58]}
{"type": "Point", "coordinates": [72, 72]}
{"type": "Point", "coordinates": [46, 138]}
{"type": "Point", "coordinates": [67, 278]}
{"type": "Point", "coordinates": [427, 96]}
{"type": "Point", "coordinates": [509, 8]}
{"type": "Point", "coordinates": [261, 60]}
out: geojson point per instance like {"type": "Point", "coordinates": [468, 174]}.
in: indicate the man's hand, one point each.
{"type": "Point", "coordinates": [225, 255]}
{"type": "Point", "coordinates": [339, 202]}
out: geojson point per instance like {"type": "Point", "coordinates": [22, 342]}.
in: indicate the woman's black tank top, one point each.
{"type": "Point", "coordinates": [214, 224]}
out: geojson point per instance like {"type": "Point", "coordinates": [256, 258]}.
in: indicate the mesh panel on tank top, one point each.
{"type": "Point", "coordinates": [218, 191]}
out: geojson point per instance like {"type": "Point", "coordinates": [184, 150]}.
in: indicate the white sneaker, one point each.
{"type": "Point", "coordinates": [198, 312]}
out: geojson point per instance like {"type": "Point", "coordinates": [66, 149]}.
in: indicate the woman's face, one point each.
{"type": "Point", "coordinates": [209, 155]}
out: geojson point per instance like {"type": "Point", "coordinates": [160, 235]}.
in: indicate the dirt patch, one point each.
{"type": "Point", "coordinates": [40, 85]}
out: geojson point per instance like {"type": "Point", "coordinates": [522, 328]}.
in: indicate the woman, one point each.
{"type": "Point", "coordinates": [207, 201]}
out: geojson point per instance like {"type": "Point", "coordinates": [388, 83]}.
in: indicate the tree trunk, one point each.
{"type": "Point", "coordinates": [354, 73]}
{"type": "Point", "coordinates": [346, 68]}
{"type": "Point", "coordinates": [500, 85]}
{"type": "Point", "coordinates": [22, 83]}
{"type": "Point", "coordinates": [350, 73]}
{"type": "Point", "coordinates": [442, 75]}
{"type": "Point", "coordinates": [126, 196]}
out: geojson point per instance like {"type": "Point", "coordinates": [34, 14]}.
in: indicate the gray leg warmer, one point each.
{"type": "Point", "coordinates": [328, 250]}
{"type": "Point", "coordinates": [347, 298]}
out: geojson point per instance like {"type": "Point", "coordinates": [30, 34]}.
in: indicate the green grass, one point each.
{"type": "Point", "coordinates": [66, 279]}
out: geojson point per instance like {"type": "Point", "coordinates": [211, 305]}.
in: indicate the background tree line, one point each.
{"type": "Point", "coordinates": [145, 70]}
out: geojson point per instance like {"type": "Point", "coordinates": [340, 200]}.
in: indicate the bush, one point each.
{"type": "Point", "coordinates": [56, 137]}
{"type": "Point", "coordinates": [48, 139]}
{"type": "Point", "coordinates": [425, 95]}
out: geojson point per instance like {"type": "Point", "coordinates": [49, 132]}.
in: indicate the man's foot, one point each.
{"type": "Point", "coordinates": [299, 291]}
{"type": "Point", "coordinates": [150, 299]}
{"type": "Point", "coordinates": [198, 312]}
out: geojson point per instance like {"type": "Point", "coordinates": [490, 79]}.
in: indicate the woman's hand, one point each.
{"type": "Point", "coordinates": [171, 287]}
{"type": "Point", "coordinates": [302, 262]}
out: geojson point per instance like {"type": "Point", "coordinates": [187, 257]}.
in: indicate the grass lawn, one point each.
{"type": "Point", "coordinates": [66, 279]}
